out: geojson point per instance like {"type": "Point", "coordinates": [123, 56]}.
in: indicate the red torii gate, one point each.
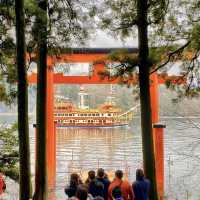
{"type": "Point", "coordinates": [91, 55]}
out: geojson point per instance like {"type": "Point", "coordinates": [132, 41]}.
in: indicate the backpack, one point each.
{"type": "Point", "coordinates": [117, 192]}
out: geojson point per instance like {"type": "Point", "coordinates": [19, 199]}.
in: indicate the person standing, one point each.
{"type": "Point", "coordinates": [91, 176]}
{"type": "Point", "coordinates": [101, 177]}
{"type": "Point", "coordinates": [81, 193]}
{"type": "Point", "coordinates": [95, 187]}
{"type": "Point", "coordinates": [75, 181]}
{"type": "Point", "coordinates": [141, 186]}
{"type": "Point", "coordinates": [2, 184]}
{"type": "Point", "coordinates": [125, 187]}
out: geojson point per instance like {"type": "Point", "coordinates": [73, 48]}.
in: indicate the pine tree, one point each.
{"type": "Point", "coordinates": [22, 96]}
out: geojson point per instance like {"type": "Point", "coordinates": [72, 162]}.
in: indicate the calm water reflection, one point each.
{"type": "Point", "coordinates": [84, 149]}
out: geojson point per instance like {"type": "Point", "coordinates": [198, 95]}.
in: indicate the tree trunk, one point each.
{"type": "Point", "coordinates": [23, 126]}
{"type": "Point", "coordinates": [41, 165]}
{"type": "Point", "coordinates": [144, 82]}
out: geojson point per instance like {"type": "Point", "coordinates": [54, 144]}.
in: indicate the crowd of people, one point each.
{"type": "Point", "coordinates": [98, 187]}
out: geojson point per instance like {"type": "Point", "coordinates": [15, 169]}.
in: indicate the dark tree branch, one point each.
{"type": "Point", "coordinates": [170, 55]}
{"type": "Point", "coordinates": [126, 25]}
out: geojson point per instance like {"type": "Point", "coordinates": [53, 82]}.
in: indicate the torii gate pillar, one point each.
{"type": "Point", "coordinates": [51, 132]}
{"type": "Point", "coordinates": [158, 130]}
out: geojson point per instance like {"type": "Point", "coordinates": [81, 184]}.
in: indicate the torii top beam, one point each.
{"type": "Point", "coordinates": [91, 56]}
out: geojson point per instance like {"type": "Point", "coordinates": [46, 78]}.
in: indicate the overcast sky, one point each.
{"type": "Point", "coordinates": [103, 40]}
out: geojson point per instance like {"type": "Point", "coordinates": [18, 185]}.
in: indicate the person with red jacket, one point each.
{"type": "Point", "coordinates": [126, 189]}
{"type": "Point", "coordinates": [2, 184]}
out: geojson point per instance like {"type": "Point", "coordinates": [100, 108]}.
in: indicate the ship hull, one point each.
{"type": "Point", "coordinates": [62, 125]}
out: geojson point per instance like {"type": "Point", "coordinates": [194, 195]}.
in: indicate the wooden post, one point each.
{"type": "Point", "coordinates": [158, 130]}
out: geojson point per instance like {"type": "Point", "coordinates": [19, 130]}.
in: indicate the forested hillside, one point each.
{"type": "Point", "coordinates": [170, 105]}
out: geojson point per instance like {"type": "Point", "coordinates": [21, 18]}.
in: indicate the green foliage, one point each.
{"type": "Point", "coordinates": [121, 16]}
{"type": "Point", "coordinates": [173, 28]}
{"type": "Point", "coordinates": [30, 7]}
{"type": "Point", "coordinates": [9, 155]}
{"type": "Point", "coordinates": [183, 91]}
{"type": "Point", "coordinates": [195, 37]}
{"type": "Point", "coordinates": [120, 63]}
{"type": "Point", "coordinates": [67, 24]}
{"type": "Point", "coordinates": [7, 50]}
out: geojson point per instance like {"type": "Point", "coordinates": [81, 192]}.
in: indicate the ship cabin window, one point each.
{"type": "Point", "coordinates": [97, 114]}
{"type": "Point", "coordinates": [93, 114]}
{"type": "Point", "coordinates": [88, 121]}
{"type": "Point", "coordinates": [92, 121]}
{"type": "Point", "coordinates": [70, 114]}
{"type": "Point", "coordinates": [85, 114]}
{"type": "Point", "coordinates": [102, 114]}
{"type": "Point", "coordinates": [70, 121]}
{"type": "Point", "coordinates": [104, 121]}
{"type": "Point", "coordinates": [81, 114]}
{"type": "Point", "coordinates": [89, 114]}
{"type": "Point", "coordinates": [109, 114]}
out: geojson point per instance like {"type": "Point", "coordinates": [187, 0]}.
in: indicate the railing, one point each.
{"type": "Point", "coordinates": [82, 167]}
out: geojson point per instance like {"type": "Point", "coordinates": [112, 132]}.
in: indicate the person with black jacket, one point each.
{"type": "Point", "coordinates": [102, 178]}
{"type": "Point", "coordinates": [75, 181]}
{"type": "Point", "coordinates": [95, 187]}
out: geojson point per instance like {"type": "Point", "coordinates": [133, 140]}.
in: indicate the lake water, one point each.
{"type": "Point", "coordinates": [120, 148]}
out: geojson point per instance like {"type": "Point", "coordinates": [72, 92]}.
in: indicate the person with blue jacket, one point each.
{"type": "Point", "coordinates": [141, 186]}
